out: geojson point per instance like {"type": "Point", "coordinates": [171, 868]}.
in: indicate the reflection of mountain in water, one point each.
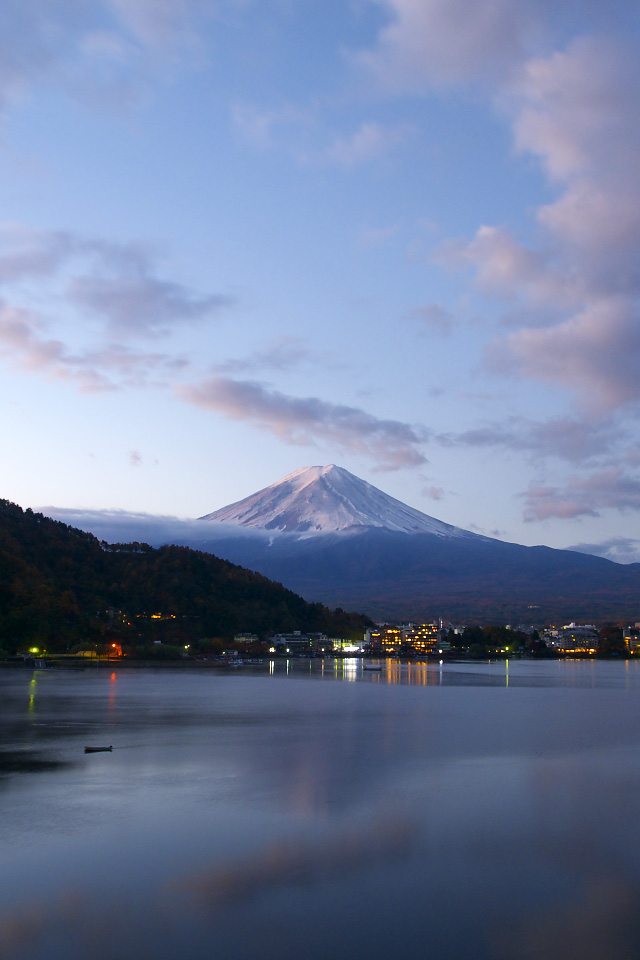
{"type": "Point", "coordinates": [25, 761]}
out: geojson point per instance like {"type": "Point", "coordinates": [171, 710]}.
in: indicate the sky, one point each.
{"type": "Point", "coordinates": [240, 237]}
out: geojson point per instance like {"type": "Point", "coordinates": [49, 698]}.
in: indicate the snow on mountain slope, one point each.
{"type": "Point", "coordinates": [328, 500]}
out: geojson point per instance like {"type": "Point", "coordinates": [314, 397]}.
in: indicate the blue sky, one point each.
{"type": "Point", "coordinates": [239, 238]}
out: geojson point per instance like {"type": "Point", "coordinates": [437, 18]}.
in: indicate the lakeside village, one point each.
{"type": "Point", "coordinates": [439, 640]}
{"type": "Point", "coordinates": [444, 640]}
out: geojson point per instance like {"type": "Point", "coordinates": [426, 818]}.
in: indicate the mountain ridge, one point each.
{"type": "Point", "coordinates": [426, 569]}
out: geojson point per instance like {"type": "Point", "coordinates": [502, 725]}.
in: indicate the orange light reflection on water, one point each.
{"type": "Point", "coordinates": [413, 673]}
{"type": "Point", "coordinates": [111, 702]}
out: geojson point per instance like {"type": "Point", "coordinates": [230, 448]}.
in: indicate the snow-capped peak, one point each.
{"type": "Point", "coordinates": [328, 500]}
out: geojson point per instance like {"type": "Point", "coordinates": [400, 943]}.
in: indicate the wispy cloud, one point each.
{"type": "Point", "coordinates": [142, 303]}
{"type": "Point", "coordinates": [433, 493]}
{"type": "Point", "coordinates": [433, 318]}
{"type": "Point", "coordinates": [390, 444]}
{"type": "Point", "coordinates": [120, 526]}
{"type": "Point", "coordinates": [619, 549]}
{"type": "Point", "coordinates": [366, 143]}
{"type": "Point", "coordinates": [279, 353]}
{"type": "Point", "coordinates": [609, 489]}
{"type": "Point", "coordinates": [267, 128]}
{"type": "Point", "coordinates": [564, 438]}
{"type": "Point", "coordinates": [306, 136]}
{"type": "Point", "coordinates": [379, 236]}
{"type": "Point", "coordinates": [105, 50]}
{"type": "Point", "coordinates": [117, 282]}
{"type": "Point", "coordinates": [106, 367]}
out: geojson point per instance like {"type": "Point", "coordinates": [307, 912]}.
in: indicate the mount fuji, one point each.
{"type": "Point", "coordinates": [334, 538]}
{"type": "Point", "coordinates": [329, 499]}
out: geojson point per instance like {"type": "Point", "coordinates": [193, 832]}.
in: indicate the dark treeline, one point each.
{"type": "Point", "coordinates": [61, 587]}
{"type": "Point", "coordinates": [477, 641]}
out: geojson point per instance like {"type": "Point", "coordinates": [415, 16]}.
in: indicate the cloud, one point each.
{"type": "Point", "coordinates": [618, 549]}
{"type": "Point", "coordinates": [303, 134]}
{"type": "Point", "coordinates": [135, 459]}
{"type": "Point", "coordinates": [505, 268]}
{"type": "Point", "coordinates": [365, 144]}
{"type": "Point", "coordinates": [429, 43]}
{"type": "Point", "coordinates": [29, 254]}
{"type": "Point", "coordinates": [278, 353]}
{"type": "Point", "coordinates": [106, 367]}
{"type": "Point", "coordinates": [378, 236]}
{"type": "Point", "coordinates": [390, 444]}
{"type": "Point", "coordinates": [433, 317]}
{"type": "Point", "coordinates": [117, 282]}
{"type": "Point", "coordinates": [607, 489]}
{"type": "Point", "coordinates": [576, 112]}
{"type": "Point", "coordinates": [572, 104]}
{"type": "Point", "coordinates": [434, 493]}
{"type": "Point", "coordinates": [562, 437]}
{"type": "Point", "coordinates": [106, 49]}
{"type": "Point", "coordinates": [119, 526]}
{"type": "Point", "coordinates": [142, 303]}
{"type": "Point", "coordinates": [601, 444]}
{"type": "Point", "coordinates": [161, 23]}
{"type": "Point", "coordinates": [596, 353]}
{"type": "Point", "coordinates": [18, 336]}
{"type": "Point", "coordinates": [264, 129]}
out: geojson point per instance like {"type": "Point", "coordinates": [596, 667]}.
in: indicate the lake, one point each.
{"type": "Point", "coordinates": [314, 809]}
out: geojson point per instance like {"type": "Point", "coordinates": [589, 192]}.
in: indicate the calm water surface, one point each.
{"type": "Point", "coordinates": [315, 810]}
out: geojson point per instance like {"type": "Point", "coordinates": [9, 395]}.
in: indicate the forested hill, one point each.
{"type": "Point", "coordinates": [60, 586]}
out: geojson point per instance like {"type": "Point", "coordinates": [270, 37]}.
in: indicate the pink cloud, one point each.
{"type": "Point", "coordinates": [106, 367]}
{"type": "Point", "coordinates": [391, 444]}
{"type": "Point", "coordinates": [607, 489]}
{"type": "Point", "coordinates": [578, 113]}
{"type": "Point", "coordinates": [595, 353]}
{"type": "Point", "coordinates": [437, 42]}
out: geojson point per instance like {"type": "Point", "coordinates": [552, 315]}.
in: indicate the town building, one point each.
{"type": "Point", "coordinates": [408, 639]}
{"type": "Point", "coordinates": [574, 638]}
{"type": "Point", "coordinates": [631, 637]}
{"type": "Point", "coordinates": [296, 644]}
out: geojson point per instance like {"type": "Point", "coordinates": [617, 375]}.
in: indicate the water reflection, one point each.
{"type": "Point", "coordinates": [310, 808]}
{"type": "Point", "coordinates": [24, 761]}
{"type": "Point", "coordinates": [32, 692]}
{"type": "Point", "coordinates": [300, 861]}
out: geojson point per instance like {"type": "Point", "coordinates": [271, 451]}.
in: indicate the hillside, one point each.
{"type": "Point", "coordinates": [60, 586]}
{"type": "Point", "coordinates": [421, 577]}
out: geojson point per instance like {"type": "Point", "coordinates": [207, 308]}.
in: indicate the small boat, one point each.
{"type": "Point", "coordinates": [372, 667]}
{"type": "Point", "coordinates": [98, 749]}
